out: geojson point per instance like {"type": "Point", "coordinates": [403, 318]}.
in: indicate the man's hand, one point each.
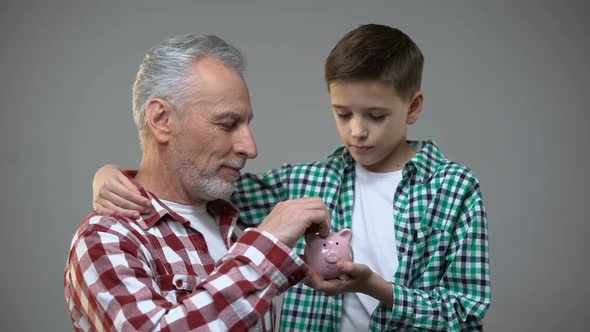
{"type": "Point", "coordinates": [112, 192]}
{"type": "Point", "coordinates": [290, 220]}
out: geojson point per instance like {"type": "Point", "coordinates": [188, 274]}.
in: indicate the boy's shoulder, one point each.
{"type": "Point", "coordinates": [434, 166]}
{"type": "Point", "coordinates": [457, 170]}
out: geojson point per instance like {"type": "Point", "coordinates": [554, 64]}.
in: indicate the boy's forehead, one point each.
{"type": "Point", "coordinates": [376, 86]}
{"type": "Point", "coordinates": [376, 93]}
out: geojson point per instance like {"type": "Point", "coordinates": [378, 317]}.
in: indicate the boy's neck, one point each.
{"type": "Point", "coordinates": [402, 155]}
{"type": "Point", "coordinates": [396, 160]}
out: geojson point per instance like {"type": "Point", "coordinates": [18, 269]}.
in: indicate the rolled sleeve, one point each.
{"type": "Point", "coordinates": [272, 258]}
{"type": "Point", "coordinates": [403, 305]}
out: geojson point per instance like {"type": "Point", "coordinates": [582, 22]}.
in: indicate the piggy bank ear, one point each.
{"type": "Point", "coordinates": [309, 237]}
{"type": "Point", "coordinates": [346, 233]}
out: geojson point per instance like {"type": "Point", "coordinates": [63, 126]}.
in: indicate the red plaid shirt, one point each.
{"type": "Point", "coordinates": [155, 273]}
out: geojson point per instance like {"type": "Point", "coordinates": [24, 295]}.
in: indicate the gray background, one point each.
{"type": "Point", "coordinates": [505, 89]}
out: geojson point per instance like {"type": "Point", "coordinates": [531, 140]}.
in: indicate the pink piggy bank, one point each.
{"type": "Point", "coordinates": [321, 254]}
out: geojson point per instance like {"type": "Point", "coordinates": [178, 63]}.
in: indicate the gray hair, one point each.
{"type": "Point", "coordinates": [165, 70]}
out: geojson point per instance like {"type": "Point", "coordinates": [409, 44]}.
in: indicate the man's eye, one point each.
{"type": "Point", "coordinates": [228, 126]}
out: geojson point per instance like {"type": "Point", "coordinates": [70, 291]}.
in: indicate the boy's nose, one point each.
{"type": "Point", "coordinates": [357, 130]}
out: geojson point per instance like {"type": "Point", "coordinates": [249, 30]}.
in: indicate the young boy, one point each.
{"type": "Point", "coordinates": [418, 219]}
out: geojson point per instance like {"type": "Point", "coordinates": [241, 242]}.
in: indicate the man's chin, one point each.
{"type": "Point", "coordinates": [225, 190]}
{"type": "Point", "coordinates": [215, 188]}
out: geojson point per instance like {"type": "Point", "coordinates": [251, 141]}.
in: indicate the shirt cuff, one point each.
{"type": "Point", "coordinates": [270, 256]}
{"type": "Point", "coordinates": [403, 305]}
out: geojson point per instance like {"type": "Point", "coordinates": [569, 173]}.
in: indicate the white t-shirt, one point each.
{"type": "Point", "coordinates": [203, 222]}
{"type": "Point", "coordinates": [373, 239]}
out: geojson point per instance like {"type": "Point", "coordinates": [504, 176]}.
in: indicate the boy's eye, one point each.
{"type": "Point", "coordinates": [377, 117]}
{"type": "Point", "coordinates": [343, 115]}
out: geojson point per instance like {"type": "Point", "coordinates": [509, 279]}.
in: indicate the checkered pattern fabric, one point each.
{"type": "Point", "coordinates": [443, 279]}
{"type": "Point", "coordinates": [155, 273]}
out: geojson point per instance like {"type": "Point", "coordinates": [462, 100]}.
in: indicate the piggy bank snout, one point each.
{"type": "Point", "coordinates": [332, 257]}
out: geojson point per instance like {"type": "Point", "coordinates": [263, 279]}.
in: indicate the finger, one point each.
{"type": "Point", "coordinates": [323, 224]}
{"type": "Point", "coordinates": [332, 286]}
{"type": "Point", "coordinates": [309, 203]}
{"type": "Point", "coordinates": [118, 210]}
{"type": "Point", "coordinates": [324, 228]}
{"type": "Point", "coordinates": [317, 223]}
{"type": "Point", "coordinates": [112, 195]}
{"type": "Point", "coordinates": [99, 209]}
{"type": "Point", "coordinates": [346, 267]}
{"type": "Point", "coordinates": [135, 194]}
{"type": "Point", "coordinates": [321, 220]}
{"type": "Point", "coordinates": [344, 277]}
{"type": "Point", "coordinates": [352, 269]}
{"type": "Point", "coordinates": [312, 278]}
{"type": "Point", "coordinates": [134, 200]}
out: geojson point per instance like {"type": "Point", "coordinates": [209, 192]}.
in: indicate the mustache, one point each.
{"type": "Point", "coordinates": [236, 164]}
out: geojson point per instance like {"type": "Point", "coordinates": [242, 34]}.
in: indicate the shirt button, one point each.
{"type": "Point", "coordinates": [179, 283]}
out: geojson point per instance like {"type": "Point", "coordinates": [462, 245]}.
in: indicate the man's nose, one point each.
{"type": "Point", "coordinates": [245, 144]}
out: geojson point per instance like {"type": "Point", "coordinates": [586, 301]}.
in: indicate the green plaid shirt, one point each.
{"type": "Point", "coordinates": [443, 279]}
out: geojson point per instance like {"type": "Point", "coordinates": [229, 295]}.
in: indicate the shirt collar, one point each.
{"type": "Point", "coordinates": [225, 212]}
{"type": "Point", "coordinates": [424, 164]}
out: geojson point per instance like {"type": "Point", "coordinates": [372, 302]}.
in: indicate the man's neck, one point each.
{"type": "Point", "coordinates": [156, 177]}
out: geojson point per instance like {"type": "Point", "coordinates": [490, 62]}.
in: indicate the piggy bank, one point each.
{"type": "Point", "coordinates": [321, 254]}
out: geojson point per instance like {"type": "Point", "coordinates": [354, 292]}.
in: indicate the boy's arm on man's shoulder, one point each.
{"type": "Point", "coordinates": [113, 287]}
{"type": "Point", "coordinates": [255, 196]}
{"type": "Point", "coordinates": [463, 296]}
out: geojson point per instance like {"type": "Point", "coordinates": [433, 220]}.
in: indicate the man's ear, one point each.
{"type": "Point", "coordinates": [159, 117]}
{"type": "Point", "coordinates": [415, 108]}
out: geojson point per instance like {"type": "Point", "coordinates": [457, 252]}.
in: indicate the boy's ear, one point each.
{"type": "Point", "coordinates": [415, 108]}
{"type": "Point", "coordinates": [159, 117]}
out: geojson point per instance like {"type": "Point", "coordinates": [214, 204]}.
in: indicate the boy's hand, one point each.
{"type": "Point", "coordinates": [113, 193]}
{"type": "Point", "coordinates": [357, 278]}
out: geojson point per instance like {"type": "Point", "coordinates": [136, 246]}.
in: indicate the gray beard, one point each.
{"type": "Point", "coordinates": [215, 188]}
{"type": "Point", "coordinates": [208, 187]}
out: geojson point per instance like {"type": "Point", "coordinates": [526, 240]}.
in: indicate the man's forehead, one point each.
{"type": "Point", "coordinates": [221, 89]}
{"type": "Point", "coordinates": [233, 114]}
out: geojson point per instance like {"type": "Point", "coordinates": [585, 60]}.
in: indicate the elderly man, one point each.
{"type": "Point", "coordinates": [183, 266]}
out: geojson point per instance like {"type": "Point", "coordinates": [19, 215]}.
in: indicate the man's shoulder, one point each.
{"type": "Point", "coordinates": [96, 223]}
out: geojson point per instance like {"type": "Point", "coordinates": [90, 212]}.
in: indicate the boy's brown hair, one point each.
{"type": "Point", "coordinates": [377, 52]}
